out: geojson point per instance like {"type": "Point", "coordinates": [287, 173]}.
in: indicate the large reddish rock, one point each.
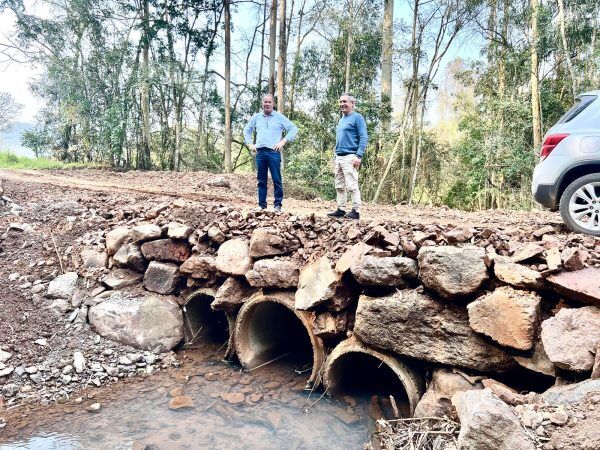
{"type": "Point", "coordinates": [233, 257]}
{"type": "Point", "coordinates": [571, 338]}
{"type": "Point", "coordinates": [329, 325]}
{"type": "Point", "coordinates": [232, 294]}
{"type": "Point", "coordinates": [517, 275]}
{"type": "Point", "coordinates": [528, 251]}
{"type": "Point", "coordinates": [437, 400]}
{"type": "Point", "coordinates": [267, 242]}
{"type": "Point", "coordinates": [452, 271]}
{"type": "Point", "coordinates": [199, 266]}
{"type": "Point", "coordinates": [391, 271]}
{"type": "Point", "coordinates": [352, 256]}
{"type": "Point", "coordinates": [317, 283]}
{"type": "Point", "coordinates": [420, 326]}
{"type": "Point", "coordinates": [582, 285]}
{"type": "Point", "coordinates": [274, 273]}
{"type": "Point", "coordinates": [181, 402]}
{"type": "Point", "coordinates": [537, 361]}
{"type": "Point", "coordinates": [166, 250]}
{"type": "Point", "coordinates": [574, 258]}
{"type": "Point", "coordinates": [507, 315]}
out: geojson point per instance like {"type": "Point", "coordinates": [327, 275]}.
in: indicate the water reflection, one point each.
{"type": "Point", "coordinates": [136, 415]}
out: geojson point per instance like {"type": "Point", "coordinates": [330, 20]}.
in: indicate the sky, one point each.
{"type": "Point", "coordinates": [15, 77]}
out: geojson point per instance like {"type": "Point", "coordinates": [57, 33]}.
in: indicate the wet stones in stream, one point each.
{"type": "Point", "coordinates": [181, 402]}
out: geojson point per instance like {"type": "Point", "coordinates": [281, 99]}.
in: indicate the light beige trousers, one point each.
{"type": "Point", "coordinates": [346, 181]}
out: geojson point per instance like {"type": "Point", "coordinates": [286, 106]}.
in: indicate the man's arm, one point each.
{"type": "Point", "coordinates": [249, 130]}
{"type": "Point", "coordinates": [361, 127]}
{"type": "Point", "coordinates": [291, 131]}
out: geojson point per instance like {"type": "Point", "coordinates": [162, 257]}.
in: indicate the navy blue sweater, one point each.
{"type": "Point", "coordinates": [351, 135]}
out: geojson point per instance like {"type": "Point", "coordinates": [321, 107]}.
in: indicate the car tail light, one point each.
{"type": "Point", "coordinates": [550, 143]}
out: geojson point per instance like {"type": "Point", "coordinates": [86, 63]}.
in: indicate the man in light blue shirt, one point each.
{"type": "Point", "coordinates": [350, 143]}
{"type": "Point", "coordinates": [269, 126]}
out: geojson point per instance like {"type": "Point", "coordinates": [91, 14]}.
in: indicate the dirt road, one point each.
{"type": "Point", "coordinates": [239, 190]}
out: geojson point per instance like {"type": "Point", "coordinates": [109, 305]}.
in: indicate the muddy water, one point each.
{"type": "Point", "coordinates": [272, 414]}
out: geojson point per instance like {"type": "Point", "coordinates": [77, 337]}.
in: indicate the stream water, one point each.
{"type": "Point", "coordinates": [274, 412]}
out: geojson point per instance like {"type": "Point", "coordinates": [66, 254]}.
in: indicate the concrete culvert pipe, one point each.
{"type": "Point", "coordinates": [203, 325]}
{"type": "Point", "coordinates": [355, 369]}
{"type": "Point", "coordinates": [269, 327]}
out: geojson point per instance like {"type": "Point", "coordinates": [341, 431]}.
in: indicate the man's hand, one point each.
{"type": "Point", "coordinates": [252, 148]}
{"type": "Point", "coordinates": [356, 163]}
{"type": "Point", "coordinates": [279, 146]}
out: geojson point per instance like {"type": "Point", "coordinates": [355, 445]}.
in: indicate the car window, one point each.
{"type": "Point", "coordinates": [581, 102]}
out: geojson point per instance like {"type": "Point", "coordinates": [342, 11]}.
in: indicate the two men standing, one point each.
{"type": "Point", "coordinates": [350, 144]}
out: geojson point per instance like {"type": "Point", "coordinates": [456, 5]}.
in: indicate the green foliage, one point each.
{"type": "Point", "coordinates": [39, 140]}
{"type": "Point", "coordinates": [91, 53]}
{"type": "Point", "coordinates": [9, 160]}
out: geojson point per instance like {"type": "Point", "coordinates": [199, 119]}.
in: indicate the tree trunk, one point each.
{"type": "Point", "coordinates": [282, 58]}
{"type": "Point", "coordinates": [272, 46]}
{"type": "Point", "coordinates": [144, 161]}
{"type": "Point", "coordinates": [502, 59]}
{"type": "Point", "coordinates": [207, 56]}
{"type": "Point", "coordinates": [296, 60]}
{"type": "Point", "coordinates": [228, 168]}
{"type": "Point", "coordinates": [262, 58]}
{"type": "Point", "coordinates": [415, 90]}
{"type": "Point", "coordinates": [535, 89]}
{"type": "Point", "coordinates": [349, 44]}
{"type": "Point", "coordinates": [175, 92]}
{"type": "Point", "coordinates": [563, 35]}
{"type": "Point", "coordinates": [386, 64]}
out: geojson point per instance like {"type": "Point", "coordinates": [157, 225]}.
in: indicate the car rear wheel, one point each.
{"type": "Point", "coordinates": [580, 205]}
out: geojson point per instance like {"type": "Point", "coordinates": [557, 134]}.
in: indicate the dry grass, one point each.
{"type": "Point", "coordinates": [416, 433]}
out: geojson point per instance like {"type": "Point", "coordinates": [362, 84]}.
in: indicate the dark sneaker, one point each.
{"type": "Point", "coordinates": [353, 215]}
{"type": "Point", "coordinates": [337, 213]}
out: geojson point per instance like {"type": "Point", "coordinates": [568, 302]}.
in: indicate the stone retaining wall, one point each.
{"type": "Point", "coordinates": [484, 300]}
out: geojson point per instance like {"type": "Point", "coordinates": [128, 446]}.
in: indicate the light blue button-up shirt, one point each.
{"type": "Point", "coordinates": [269, 129]}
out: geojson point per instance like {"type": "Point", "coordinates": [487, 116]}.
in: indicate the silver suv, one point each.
{"type": "Point", "coordinates": [567, 177]}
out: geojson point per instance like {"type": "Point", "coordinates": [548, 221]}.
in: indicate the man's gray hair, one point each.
{"type": "Point", "coordinates": [349, 95]}
{"type": "Point", "coordinates": [269, 95]}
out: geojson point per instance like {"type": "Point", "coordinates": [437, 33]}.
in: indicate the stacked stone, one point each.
{"type": "Point", "coordinates": [484, 301]}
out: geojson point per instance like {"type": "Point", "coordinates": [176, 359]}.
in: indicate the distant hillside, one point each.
{"type": "Point", "coordinates": [11, 139]}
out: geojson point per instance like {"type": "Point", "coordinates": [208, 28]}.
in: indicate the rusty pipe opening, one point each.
{"type": "Point", "coordinates": [201, 323]}
{"type": "Point", "coordinates": [355, 369]}
{"type": "Point", "coordinates": [269, 328]}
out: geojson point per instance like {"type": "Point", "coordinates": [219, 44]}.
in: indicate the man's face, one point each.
{"type": "Point", "coordinates": [346, 106]}
{"type": "Point", "coordinates": [267, 105]}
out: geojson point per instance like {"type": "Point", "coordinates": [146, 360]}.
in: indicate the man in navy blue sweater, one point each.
{"type": "Point", "coordinates": [350, 143]}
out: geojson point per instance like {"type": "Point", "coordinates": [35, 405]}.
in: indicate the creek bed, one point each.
{"type": "Point", "coordinates": [135, 413]}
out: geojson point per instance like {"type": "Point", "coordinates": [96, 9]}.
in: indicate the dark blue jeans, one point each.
{"type": "Point", "coordinates": [268, 160]}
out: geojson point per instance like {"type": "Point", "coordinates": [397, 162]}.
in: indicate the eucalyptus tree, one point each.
{"type": "Point", "coordinates": [8, 109]}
